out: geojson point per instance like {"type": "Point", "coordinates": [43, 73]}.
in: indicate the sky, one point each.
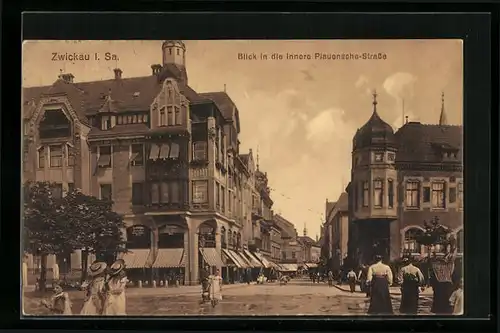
{"type": "Point", "coordinates": [300, 115]}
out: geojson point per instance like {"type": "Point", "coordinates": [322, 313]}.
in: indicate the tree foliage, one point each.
{"type": "Point", "coordinates": [434, 233]}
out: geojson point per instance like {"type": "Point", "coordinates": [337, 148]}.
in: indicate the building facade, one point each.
{"type": "Point", "coordinates": [167, 156]}
{"type": "Point", "coordinates": [399, 180]}
{"type": "Point", "coordinates": [292, 251]}
{"type": "Point", "coordinates": [336, 231]}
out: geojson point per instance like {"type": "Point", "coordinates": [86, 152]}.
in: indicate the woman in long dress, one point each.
{"type": "Point", "coordinates": [59, 304]}
{"type": "Point", "coordinates": [216, 286]}
{"type": "Point", "coordinates": [115, 303]}
{"type": "Point", "coordinates": [410, 278]}
{"type": "Point", "coordinates": [95, 292]}
{"type": "Point", "coordinates": [379, 279]}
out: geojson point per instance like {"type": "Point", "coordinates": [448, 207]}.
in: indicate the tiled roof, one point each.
{"type": "Point", "coordinates": [417, 142]}
{"type": "Point", "coordinates": [225, 105]}
{"type": "Point", "coordinates": [306, 239]}
{"type": "Point", "coordinates": [128, 94]}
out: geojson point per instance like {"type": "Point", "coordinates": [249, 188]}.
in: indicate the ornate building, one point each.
{"type": "Point", "coordinates": [399, 180]}
{"type": "Point", "coordinates": [167, 156]}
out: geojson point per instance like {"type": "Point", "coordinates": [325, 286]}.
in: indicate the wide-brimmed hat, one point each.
{"type": "Point", "coordinates": [97, 268]}
{"type": "Point", "coordinates": [117, 267]}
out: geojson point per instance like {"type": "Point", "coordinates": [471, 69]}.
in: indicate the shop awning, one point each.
{"type": "Point", "coordinates": [233, 261]}
{"type": "Point", "coordinates": [264, 261]}
{"type": "Point", "coordinates": [289, 267]}
{"type": "Point", "coordinates": [310, 265]}
{"type": "Point", "coordinates": [253, 260]}
{"type": "Point", "coordinates": [212, 258]}
{"type": "Point", "coordinates": [272, 264]}
{"type": "Point", "coordinates": [183, 260]}
{"type": "Point", "coordinates": [244, 258]}
{"type": "Point", "coordinates": [168, 258]}
{"type": "Point", "coordinates": [240, 261]}
{"type": "Point", "coordinates": [137, 258]}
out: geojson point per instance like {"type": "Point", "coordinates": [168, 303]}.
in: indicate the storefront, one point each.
{"type": "Point", "coordinates": [169, 266]}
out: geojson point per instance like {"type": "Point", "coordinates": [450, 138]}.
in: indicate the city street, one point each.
{"type": "Point", "coordinates": [299, 297]}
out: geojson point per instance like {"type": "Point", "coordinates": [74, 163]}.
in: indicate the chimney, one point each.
{"type": "Point", "coordinates": [67, 77]}
{"type": "Point", "coordinates": [118, 73]}
{"type": "Point", "coordinates": [156, 68]}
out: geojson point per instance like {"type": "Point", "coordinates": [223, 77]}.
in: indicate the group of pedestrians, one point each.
{"type": "Point", "coordinates": [104, 292]}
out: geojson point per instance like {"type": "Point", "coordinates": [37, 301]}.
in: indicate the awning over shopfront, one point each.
{"type": "Point", "coordinates": [289, 267]}
{"type": "Point", "coordinates": [231, 261]}
{"type": "Point", "coordinates": [168, 258]}
{"type": "Point", "coordinates": [272, 264]}
{"type": "Point", "coordinates": [310, 265]}
{"type": "Point", "coordinates": [263, 260]}
{"type": "Point", "coordinates": [253, 260]}
{"type": "Point", "coordinates": [244, 258]}
{"type": "Point", "coordinates": [237, 257]}
{"type": "Point", "coordinates": [137, 258]}
{"type": "Point", "coordinates": [212, 258]}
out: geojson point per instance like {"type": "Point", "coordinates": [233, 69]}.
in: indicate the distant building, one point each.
{"type": "Point", "coordinates": [399, 180]}
{"type": "Point", "coordinates": [291, 248]}
{"type": "Point", "coordinates": [336, 231]}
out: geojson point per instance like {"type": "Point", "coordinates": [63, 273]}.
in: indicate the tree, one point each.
{"type": "Point", "coordinates": [44, 230]}
{"type": "Point", "coordinates": [95, 227]}
{"type": "Point", "coordinates": [435, 234]}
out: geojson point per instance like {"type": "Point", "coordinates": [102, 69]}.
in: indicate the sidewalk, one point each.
{"type": "Point", "coordinates": [394, 291]}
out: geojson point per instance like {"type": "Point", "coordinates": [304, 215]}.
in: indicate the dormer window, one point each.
{"type": "Point", "coordinates": [106, 123]}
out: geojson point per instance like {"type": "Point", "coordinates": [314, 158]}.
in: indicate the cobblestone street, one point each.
{"type": "Point", "coordinates": [297, 298]}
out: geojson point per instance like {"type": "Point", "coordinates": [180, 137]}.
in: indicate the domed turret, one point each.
{"type": "Point", "coordinates": [174, 52]}
{"type": "Point", "coordinates": [375, 133]}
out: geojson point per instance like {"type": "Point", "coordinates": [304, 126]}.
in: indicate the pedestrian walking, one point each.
{"type": "Point", "coordinates": [379, 278]}
{"type": "Point", "coordinates": [115, 302]}
{"type": "Point", "coordinates": [330, 278]}
{"type": "Point", "coordinates": [313, 277]}
{"type": "Point", "coordinates": [95, 291]}
{"type": "Point", "coordinates": [410, 278]}
{"type": "Point", "coordinates": [352, 279]}
{"type": "Point", "coordinates": [59, 304]}
{"type": "Point", "coordinates": [215, 282]}
{"type": "Point", "coordinates": [441, 282]}
{"type": "Point", "coordinates": [457, 299]}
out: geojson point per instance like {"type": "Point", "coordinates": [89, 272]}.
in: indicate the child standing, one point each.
{"type": "Point", "coordinates": [457, 299]}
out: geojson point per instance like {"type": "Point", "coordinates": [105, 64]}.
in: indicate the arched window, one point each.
{"type": "Point", "coordinates": [410, 241]}
{"type": "Point", "coordinates": [230, 238]}
{"type": "Point", "coordinates": [223, 236]}
{"type": "Point", "coordinates": [460, 241]}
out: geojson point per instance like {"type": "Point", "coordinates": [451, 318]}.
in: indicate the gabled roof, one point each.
{"type": "Point", "coordinates": [129, 94]}
{"type": "Point", "coordinates": [306, 239]}
{"type": "Point", "coordinates": [225, 105]}
{"type": "Point", "coordinates": [416, 142]}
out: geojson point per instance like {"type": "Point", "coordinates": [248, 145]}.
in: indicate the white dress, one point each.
{"type": "Point", "coordinates": [115, 303]}
{"type": "Point", "coordinates": [94, 298]}
{"type": "Point", "coordinates": [215, 287]}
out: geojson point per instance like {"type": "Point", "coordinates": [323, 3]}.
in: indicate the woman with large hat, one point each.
{"type": "Point", "coordinates": [115, 304]}
{"type": "Point", "coordinates": [95, 290]}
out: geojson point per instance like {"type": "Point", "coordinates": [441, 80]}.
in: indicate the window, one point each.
{"type": "Point", "coordinates": [104, 157]}
{"type": "Point", "coordinates": [170, 50]}
{"type": "Point", "coordinates": [438, 195]}
{"type": "Point", "coordinates": [106, 123]}
{"type": "Point", "coordinates": [293, 255]}
{"type": "Point", "coordinates": [410, 242]}
{"type": "Point", "coordinates": [154, 152]}
{"type": "Point", "coordinates": [177, 51]}
{"type": "Point", "coordinates": [223, 197]}
{"type": "Point", "coordinates": [170, 116]}
{"type": "Point", "coordinates": [137, 158]}
{"type": "Point", "coordinates": [230, 202]}
{"type": "Point", "coordinates": [71, 156]}
{"type": "Point", "coordinates": [200, 191]}
{"type": "Point", "coordinates": [379, 157]}
{"type": "Point", "coordinates": [119, 120]}
{"type": "Point", "coordinates": [71, 187]}
{"type": "Point", "coordinates": [178, 120]}
{"type": "Point", "coordinates": [106, 192]}
{"type": "Point", "coordinates": [460, 195]}
{"type": "Point", "coordinates": [223, 236]}
{"type": "Point", "coordinates": [200, 151]}
{"type": "Point", "coordinates": [453, 194]}
{"type": "Point", "coordinates": [134, 119]}
{"type": "Point", "coordinates": [412, 194]}
{"type": "Point", "coordinates": [137, 193]}
{"type": "Point", "coordinates": [355, 195]}
{"type": "Point", "coordinates": [174, 192]}
{"type": "Point", "coordinates": [391, 157]}
{"type": "Point", "coordinates": [283, 255]}
{"type": "Point", "coordinates": [377, 193]}
{"type": "Point", "coordinates": [41, 157]}
{"type": "Point", "coordinates": [57, 191]}
{"type": "Point", "coordinates": [56, 156]}
{"type": "Point", "coordinates": [427, 194]}
{"type": "Point", "coordinates": [365, 194]}
{"type": "Point", "coordinates": [390, 190]}
{"type": "Point", "coordinates": [155, 193]}
{"type": "Point", "coordinates": [217, 195]}
{"type": "Point", "coordinates": [460, 241]}
{"type": "Point", "coordinates": [129, 119]}
{"type": "Point", "coordinates": [164, 197]}
{"type": "Point", "coordinates": [162, 117]}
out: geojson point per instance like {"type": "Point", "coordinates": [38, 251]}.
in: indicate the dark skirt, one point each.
{"type": "Point", "coordinates": [409, 298]}
{"type": "Point", "coordinates": [441, 298]}
{"type": "Point", "coordinates": [380, 299]}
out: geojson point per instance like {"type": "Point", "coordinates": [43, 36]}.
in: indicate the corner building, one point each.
{"type": "Point", "coordinates": [166, 155]}
{"type": "Point", "coordinates": [398, 181]}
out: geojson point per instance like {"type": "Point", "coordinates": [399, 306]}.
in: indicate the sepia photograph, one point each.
{"type": "Point", "coordinates": [242, 178]}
